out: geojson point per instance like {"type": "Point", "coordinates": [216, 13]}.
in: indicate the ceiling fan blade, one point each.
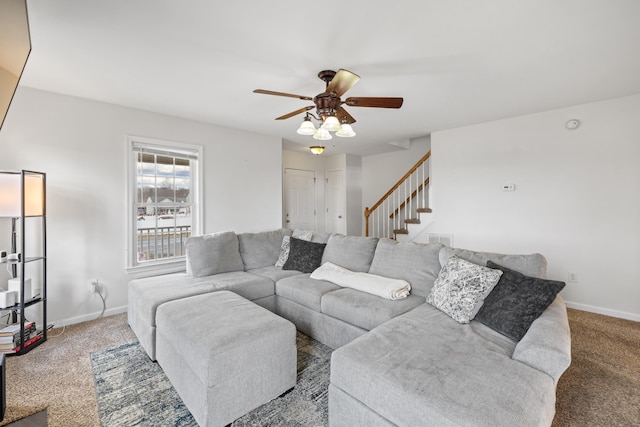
{"type": "Point", "coordinates": [374, 102]}
{"type": "Point", "coordinates": [345, 117]}
{"type": "Point", "coordinates": [290, 95]}
{"type": "Point", "coordinates": [342, 82]}
{"type": "Point", "coordinates": [295, 113]}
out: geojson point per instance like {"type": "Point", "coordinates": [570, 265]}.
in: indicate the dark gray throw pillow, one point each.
{"type": "Point", "coordinates": [516, 301]}
{"type": "Point", "coordinates": [304, 256]}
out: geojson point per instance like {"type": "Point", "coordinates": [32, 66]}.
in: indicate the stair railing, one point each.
{"type": "Point", "coordinates": [403, 201]}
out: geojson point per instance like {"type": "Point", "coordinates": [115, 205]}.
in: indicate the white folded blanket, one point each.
{"type": "Point", "coordinates": [384, 287]}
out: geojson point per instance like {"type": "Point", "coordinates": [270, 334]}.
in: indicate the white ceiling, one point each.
{"type": "Point", "coordinates": [455, 62]}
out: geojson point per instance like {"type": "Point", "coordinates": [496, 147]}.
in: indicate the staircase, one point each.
{"type": "Point", "coordinates": [402, 205]}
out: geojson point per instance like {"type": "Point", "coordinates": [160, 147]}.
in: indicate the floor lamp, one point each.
{"type": "Point", "coordinates": [21, 195]}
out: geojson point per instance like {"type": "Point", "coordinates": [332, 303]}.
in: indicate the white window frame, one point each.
{"type": "Point", "coordinates": [168, 265]}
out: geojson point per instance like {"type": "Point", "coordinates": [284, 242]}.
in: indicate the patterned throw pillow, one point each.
{"type": "Point", "coordinates": [304, 256]}
{"type": "Point", "coordinates": [516, 301]}
{"type": "Point", "coordinates": [284, 249]}
{"type": "Point", "coordinates": [461, 287]}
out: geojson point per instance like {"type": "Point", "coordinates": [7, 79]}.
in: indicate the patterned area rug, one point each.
{"type": "Point", "coordinates": [134, 391]}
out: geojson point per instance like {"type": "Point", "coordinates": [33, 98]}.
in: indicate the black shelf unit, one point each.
{"type": "Point", "coordinates": [18, 314]}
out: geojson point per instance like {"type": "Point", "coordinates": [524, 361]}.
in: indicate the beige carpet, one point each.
{"type": "Point", "coordinates": [602, 385]}
{"type": "Point", "coordinates": [57, 375]}
{"type": "Point", "coordinates": [601, 388]}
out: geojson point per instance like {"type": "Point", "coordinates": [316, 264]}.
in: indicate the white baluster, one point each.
{"type": "Point", "coordinates": [422, 183]}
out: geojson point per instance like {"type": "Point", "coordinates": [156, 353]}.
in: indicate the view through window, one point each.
{"type": "Point", "coordinates": [165, 201]}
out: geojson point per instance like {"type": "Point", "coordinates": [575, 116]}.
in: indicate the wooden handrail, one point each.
{"type": "Point", "coordinates": [411, 196]}
{"type": "Point", "coordinates": [424, 158]}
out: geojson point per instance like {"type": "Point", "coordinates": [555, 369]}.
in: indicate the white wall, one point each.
{"type": "Point", "coordinates": [353, 181]}
{"type": "Point", "coordinates": [80, 144]}
{"type": "Point", "coordinates": [577, 198]}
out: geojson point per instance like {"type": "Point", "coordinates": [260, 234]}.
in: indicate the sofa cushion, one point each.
{"type": "Point", "coordinates": [247, 285]}
{"type": "Point", "coordinates": [304, 290]}
{"type": "Point", "coordinates": [212, 254]}
{"type": "Point", "coordinates": [320, 237]}
{"type": "Point", "coordinates": [516, 301]}
{"type": "Point", "coordinates": [365, 310]}
{"type": "Point", "coordinates": [417, 263]}
{"type": "Point", "coordinates": [261, 249]}
{"type": "Point", "coordinates": [274, 273]}
{"type": "Point", "coordinates": [461, 288]}
{"type": "Point", "coordinates": [304, 256]}
{"type": "Point", "coordinates": [531, 264]}
{"type": "Point", "coordinates": [352, 252]}
{"type": "Point", "coordinates": [423, 368]}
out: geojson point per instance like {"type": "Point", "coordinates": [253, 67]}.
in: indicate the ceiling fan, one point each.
{"type": "Point", "coordinates": [328, 105]}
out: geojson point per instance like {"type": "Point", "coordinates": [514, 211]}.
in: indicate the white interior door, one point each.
{"type": "Point", "coordinates": [299, 199]}
{"type": "Point", "coordinates": [336, 199]}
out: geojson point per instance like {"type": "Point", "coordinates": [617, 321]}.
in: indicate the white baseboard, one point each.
{"type": "Point", "coordinates": [605, 311]}
{"type": "Point", "coordinates": [87, 317]}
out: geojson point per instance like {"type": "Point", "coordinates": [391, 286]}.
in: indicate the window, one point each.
{"type": "Point", "coordinates": [164, 201]}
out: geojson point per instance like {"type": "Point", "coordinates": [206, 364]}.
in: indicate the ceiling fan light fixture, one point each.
{"type": "Point", "coordinates": [331, 123]}
{"type": "Point", "coordinates": [316, 149]}
{"type": "Point", "coordinates": [346, 131]}
{"type": "Point", "coordinates": [322, 134]}
{"type": "Point", "coordinates": [329, 115]}
{"type": "Point", "coordinates": [306, 127]}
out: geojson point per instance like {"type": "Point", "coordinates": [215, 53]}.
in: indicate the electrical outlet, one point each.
{"type": "Point", "coordinates": [571, 277]}
{"type": "Point", "coordinates": [93, 286]}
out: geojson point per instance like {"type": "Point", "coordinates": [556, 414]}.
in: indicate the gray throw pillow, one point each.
{"type": "Point", "coordinates": [461, 288]}
{"type": "Point", "coordinates": [304, 256]}
{"type": "Point", "coordinates": [516, 301]}
{"type": "Point", "coordinates": [212, 254]}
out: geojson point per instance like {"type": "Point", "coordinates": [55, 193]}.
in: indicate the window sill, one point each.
{"type": "Point", "coordinates": [157, 269]}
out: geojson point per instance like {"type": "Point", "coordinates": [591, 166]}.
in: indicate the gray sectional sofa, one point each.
{"type": "Point", "coordinates": [396, 361]}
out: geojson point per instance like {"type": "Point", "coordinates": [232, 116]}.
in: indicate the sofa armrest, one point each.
{"type": "Point", "coordinates": [547, 344]}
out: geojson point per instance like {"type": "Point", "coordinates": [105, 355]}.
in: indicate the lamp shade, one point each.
{"type": "Point", "coordinates": [306, 128]}
{"type": "Point", "coordinates": [11, 194]}
{"type": "Point", "coordinates": [331, 123]}
{"type": "Point", "coordinates": [322, 134]}
{"type": "Point", "coordinates": [316, 149]}
{"type": "Point", "coordinates": [346, 131]}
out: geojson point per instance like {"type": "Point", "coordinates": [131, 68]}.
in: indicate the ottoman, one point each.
{"type": "Point", "coordinates": [224, 355]}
